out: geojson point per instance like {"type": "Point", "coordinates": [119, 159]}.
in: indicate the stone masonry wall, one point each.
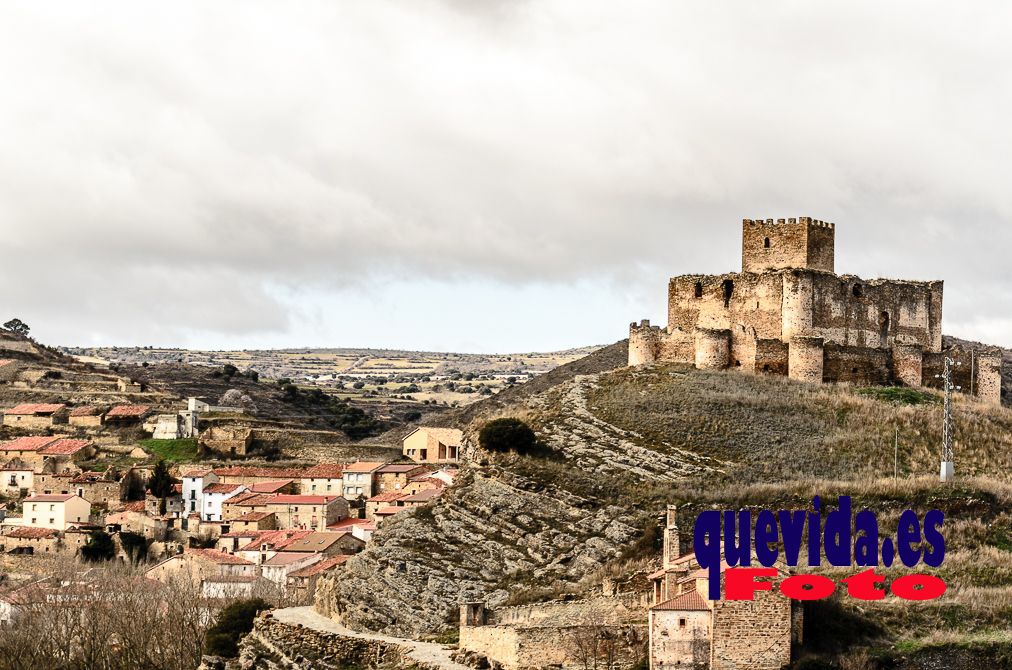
{"type": "Point", "coordinates": [751, 634]}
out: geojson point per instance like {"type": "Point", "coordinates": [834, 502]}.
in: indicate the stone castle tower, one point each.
{"type": "Point", "coordinates": [788, 312]}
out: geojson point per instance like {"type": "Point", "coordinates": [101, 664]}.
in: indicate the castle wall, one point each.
{"type": "Point", "coordinates": [805, 359]}
{"type": "Point", "coordinates": [984, 366]}
{"type": "Point", "coordinates": [857, 365]}
{"type": "Point", "coordinates": [644, 343]}
{"type": "Point", "coordinates": [771, 357]}
{"type": "Point", "coordinates": [713, 349]}
{"type": "Point", "coordinates": [877, 313]}
{"type": "Point", "coordinates": [908, 361]}
{"type": "Point", "coordinates": [726, 302]}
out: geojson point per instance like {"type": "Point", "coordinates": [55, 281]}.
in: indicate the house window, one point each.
{"type": "Point", "coordinates": [193, 494]}
{"type": "Point", "coordinates": [53, 521]}
{"type": "Point", "coordinates": [52, 507]}
{"type": "Point", "coordinates": [681, 622]}
{"type": "Point", "coordinates": [766, 243]}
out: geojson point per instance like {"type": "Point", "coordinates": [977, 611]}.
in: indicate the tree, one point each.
{"type": "Point", "coordinates": [161, 484]}
{"type": "Point", "coordinates": [99, 547]}
{"type": "Point", "coordinates": [232, 623]}
{"type": "Point", "coordinates": [135, 545]}
{"type": "Point", "coordinates": [17, 326]}
{"type": "Point", "coordinates": [507, 434]}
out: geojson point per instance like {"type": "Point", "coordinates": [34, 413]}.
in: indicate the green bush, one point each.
{"type": "Point", "coordinates": [232, 623]}
{"type": "Point", "coordinates": [507, 434]}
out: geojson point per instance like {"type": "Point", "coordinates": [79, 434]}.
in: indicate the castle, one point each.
{"type": "Point", "coordinates": [787, 312]}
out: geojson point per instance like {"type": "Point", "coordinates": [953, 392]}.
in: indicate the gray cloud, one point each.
{"type": "Point", "coordinates": [200, 164]}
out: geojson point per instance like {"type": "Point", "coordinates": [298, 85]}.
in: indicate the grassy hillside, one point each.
{"type": "Point", "coordinates": [622, 443]}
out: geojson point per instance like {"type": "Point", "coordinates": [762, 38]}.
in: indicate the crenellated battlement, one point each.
{"type": "Point", "coordinates": [794, 221]}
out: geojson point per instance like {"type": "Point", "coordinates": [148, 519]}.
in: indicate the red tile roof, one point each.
{"type": "Point", "coordinates": [197, 474]}
{"type": "Point", "coordinates": [133, 506]}
{"type": "Point", "coordinates": [5, 361]}
{"type": "Point", "coordinates": [300, 500]}
{"type": "Point", "coordinates": [219, 557]}
{"type": "Point", "coordinates": [389, 496]}
{"type": "Point", "coordinates": [270, 487]}
{"type": "Point", "coordinates": [64, 447]}
{"type": "Point", "coordinates": [249, 499]}
{"type": "Point", "coordinates": [254, 516]}
{"type": "Point", "coordinates": [29, 533]}
{"type": "Point", "coordinates": [268, 473]}
{"type": "Point", "coordinates": [387, 511]}
{"type": "Point", "coordinates": [33, 443]}
{"type": "Point", "coordinates": [321, 566]}
{"type": "Point", "coordinates": [35, 408]}
{"type": "Point", "coordinates": [87, 410]}
{"type": "Point", "coordinates": [399, 468]}
{"type": "Point", "coordinates": [425, 495]}
{"type": "Point", "coordinates": [222, 488]}
{"type": "Point", "coordinates": [128, 411]}
{"type": "Point", "coordinates": [51, 497]}
{"type": "Point", "coordinates": [348, 524]}
{"type": "Point", "coordinates": [690, 601]}
{"type": "Point", "coordinates": [324, 471]}
{"type": "Point", "coordinates": [279, 539]}
{"type": "Point", "coordinates": [91, 478]}
{"type": "Point", "coordinates": [363, 466]}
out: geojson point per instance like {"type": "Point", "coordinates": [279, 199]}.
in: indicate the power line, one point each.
{"type": "Point", "coordinates": [947, 470]}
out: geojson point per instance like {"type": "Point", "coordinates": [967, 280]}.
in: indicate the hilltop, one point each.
{"type": "Point", "coordinates": [621, 443]}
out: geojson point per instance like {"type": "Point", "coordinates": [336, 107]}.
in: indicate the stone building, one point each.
{"type": "Point", "coordinates": [35, 415]}
{"type": "Point", "coordinates": [687, 630]}
{"type": "Point", "coordinates": [427, 444]}
{"type": "Point", "coordinates": [788, 313]}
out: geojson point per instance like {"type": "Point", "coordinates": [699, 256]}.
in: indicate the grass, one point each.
{"type": "Point", "coordinates": [899, 395]}
{"type": "Point", "coordinates": [173, 451]}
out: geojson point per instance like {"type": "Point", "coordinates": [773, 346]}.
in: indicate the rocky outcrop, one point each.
{"type": "Point", "coordinates": [491, 531]}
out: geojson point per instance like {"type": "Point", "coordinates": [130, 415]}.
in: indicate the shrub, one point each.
{"type": "Point", "coordinates": [99, 547]}
{"type": "Point", "coordinates": [507, 434]}
{"type": "Point", "coordinates": [232, 623]}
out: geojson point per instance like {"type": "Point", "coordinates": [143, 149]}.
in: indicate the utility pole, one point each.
{"type": "Point", "coordinates": [946, 471]}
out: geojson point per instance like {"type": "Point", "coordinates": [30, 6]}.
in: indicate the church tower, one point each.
{"type": "Point", "coordinates": [672, 546]}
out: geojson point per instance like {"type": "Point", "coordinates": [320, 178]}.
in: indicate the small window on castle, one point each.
{"type": "Point", "coordinates": [858, 290]}
{"type": "Point", "coordinates": [728, 290]}
{"type": "Point", "coordinates": [699, 289]}
{"type": "Point", "coordinates": [766, 368]}
{"type": "Point", "coordinates": [766, 243]}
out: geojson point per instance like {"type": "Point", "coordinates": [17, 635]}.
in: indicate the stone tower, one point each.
{"type": "Point", "coordinates": [802, 243]}
{"type": "Point", "coordinates": [672, 541]}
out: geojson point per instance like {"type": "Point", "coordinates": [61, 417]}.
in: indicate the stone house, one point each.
{"type": "Point", "coordinates": [203, 564]}
{"type": "Point", "coordinates": [26, 449]}
{"type": "Point", "coordinates": [86, 417]}
{"type": "Point", "coordinates": [433, 445]}
{"type": "Point", "coordinates": [30, 540]}
{"type": "Point", "coordinates": [395, 476]}
{"type": "Point", "coordinates": [127, 415]}
{"type": "Point", "coordinates": [323, 478]}
{"type": "Point", "coordinates": [359, 480]}
{"type": "Point", "coordinates": [57, 511]}
{"type": "Point", "coordinates": [277, 568]}
{"type": "Point", "coordinates": [327, 543]}
{"type": "Point", "coordinates": [252, 522]}
{"type": "Point", "coordinates": [252, 475]}
{"type": "Point", "coordinates": [36, 415]}
{"type": "Point", "coordinates": [16, 478]}
{"type": "Point", "coordinates": [292, 512]}
{"type": "Point", "coordinates": [687, 630]}
{"type": "Point", "coordinates": [229, 439]}
{"type": "Point", "coordinates": [384, 501]}
{"type": "Point", "coordinates": [65, 452]}
{"type": "Point", "coordinates": [302, 582]}
{"type": "Point", "coordinates": [104, 489]}
{"type": "Point", "coordinates": [360, 528]}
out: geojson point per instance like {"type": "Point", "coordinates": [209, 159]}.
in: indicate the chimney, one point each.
{"type": "Point", "coordinates": [672, 547]}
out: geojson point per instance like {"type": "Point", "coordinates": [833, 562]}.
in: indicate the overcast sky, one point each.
{"type": "Point", "coordinates": [482, 175]}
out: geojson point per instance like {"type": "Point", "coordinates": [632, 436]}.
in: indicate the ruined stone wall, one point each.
{"type": "Point", "coordinates": [713, 349]}
{"type": "Point", "coordinates": [677, 646]}
{"type": "Point", "coordinates": [751, 634]}
{"type": "Point", "coordinates": [529, 647]}
{"type": "Point", "coordinates": [644, 342]}
{"type": "Point", "coordinates": [771, 357]}
{"type": "Point", "coordinates": [624, 608]}
{"type": "Point", "coordinates": [984, 367]}
{"type": "Point", "coordinates": [857, 365]}
{"type": "Point", "coordinates": [908, 364]}
{"type": "Point", "coordinates": [806, 359]}
{"type": "Point", "coordinates": [726, 302]}
{"type": "Point", "coordinates": [877, 313]}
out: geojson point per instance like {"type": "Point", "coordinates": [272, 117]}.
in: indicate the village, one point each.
{"type": "Point", "coordinates": [235, 526]}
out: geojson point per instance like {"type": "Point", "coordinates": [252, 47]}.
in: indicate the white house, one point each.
{"type": "Point", "coordinates": [55, 511]}
{"type": "Point", "coordinates": [214, 496]}
{"type": "Point", "coordinates": [194, 483]}
{"type": "Point", "coordinates": [278, 567]}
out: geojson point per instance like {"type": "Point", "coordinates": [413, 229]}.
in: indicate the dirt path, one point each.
{"type": "Point", "coordinates": [423, 652]}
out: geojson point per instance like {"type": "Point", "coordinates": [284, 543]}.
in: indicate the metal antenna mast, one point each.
{"type": "Point", "coordinates": [946, 470]}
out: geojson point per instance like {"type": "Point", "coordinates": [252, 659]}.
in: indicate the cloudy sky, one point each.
{"type": "Point", "coordinates": [503, 175]}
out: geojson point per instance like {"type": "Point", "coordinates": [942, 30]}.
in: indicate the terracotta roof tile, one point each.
{"type": "Point", "coordinates": [35, 408]}
{"type": "Point", "coordinates": [320, 567]}
{"type": "Point", "coordinates": [29, 533]}
{"type": "Point", "coordinates": [219, 557]}
{"type": "Point", "coordinates": [324, 471]}
{"type": "Point", "coordinates": [300, 500]}
{"type": "Point", "coordinates": [32, 443]}
{"type": "Point", "coordinates": [86, 410]}
{"type": "Point", "coordinates": [364, 466]}
{"type": "Point", "coordinates": [128, 411]}
{"type": "Point", "coordinates": [398, 468]}
{"type": "Point", "coordinates": [268, 473]}
{"type": "Point", "coordinates": [690, 601]}
{"type": "Point", "coordinates": [222, 488]}
{"type": "Point", "coordinates": [270, 487]}
{"type": "Point", "coordinates": [50, 497]}
{"type": "Point", "coordinates": [389, 496]}
{"type": "Point", "coordinates": [64, 447]}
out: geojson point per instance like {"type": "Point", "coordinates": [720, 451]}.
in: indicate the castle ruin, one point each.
{"type": "Point", "coordinates": [787, 312]}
